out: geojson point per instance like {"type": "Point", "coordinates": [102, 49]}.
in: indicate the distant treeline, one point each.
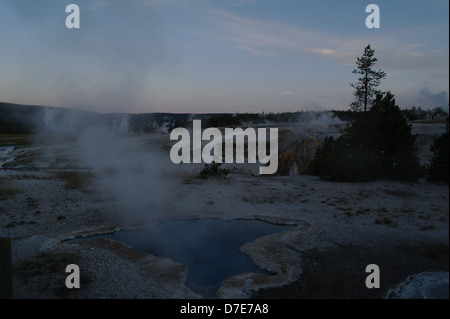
{"type": "Point", "coordinates": [412, 114]}
{"type": "Point", "coordinates": [256, 119]}
{"type": "Point", "coordinates": [29, 119]}
{"type": "Point", "coordinates": [18, 119]}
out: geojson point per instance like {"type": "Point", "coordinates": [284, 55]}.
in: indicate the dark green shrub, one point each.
{"type": "Point", "coordinates": [438, 169]}
{"type": "Point", "coordinates": [377, 144]}
{"type": "Point", "coordinates": [336, 160]}
{"type": "Point", "coordinates": [213, 170]}
{"type": "Point", "coordinates": [392, 138]}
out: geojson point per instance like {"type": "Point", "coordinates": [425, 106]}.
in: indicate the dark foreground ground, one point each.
{"type": "Point", "coordinates": [339, 273]}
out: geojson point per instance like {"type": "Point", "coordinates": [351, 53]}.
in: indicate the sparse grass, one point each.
{"type": "Point", "coordinates": [362, 211]}
{"type": "Point", "coordinates": [400, 193]}
{"type": "Point", "coordinates": [252, 199]}
{"type": "Point", "coordinates": [363, 194]}
{"type": "Point", "coordinates": [386, 221]}
{"type": "Point", "coordinates": [343, 201]}
{"type": "Point", "coordinates": [31, 202]}
{"type": "Point", "coordinates": [349, 214]}
{"type": "Point", "coordinates": [303, 201]}
{"type": "Point", "coordinates": [15, 139]}
{"type": "Point", "coordinates": [8, 191]}
{"type": "Point", "coordinates": [36, 270]}
{"type": "Point", "coordinates": [43, 263]}
{"type": "Point", "coordinates": [436, 208]}
{"type": "Point", "coordinates": [429, 250]}
{"type": "Point", "coordinates": [406, 210]}
{"type": "Point", "coordinates": [34, 177]}
{"type": "Point", "coordinates": [382, 210]}
{"type": "Point", "coordinates": [270, 200]}
{"type": "Point", "coordinates": [426, 227]}
{"type": "Point", "coordinates": [75, 180]}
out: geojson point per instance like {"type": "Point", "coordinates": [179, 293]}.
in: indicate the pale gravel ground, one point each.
{"type": "Point", "coordinates": [338, 213]}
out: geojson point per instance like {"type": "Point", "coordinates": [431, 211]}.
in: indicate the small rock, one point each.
{"type": "Point", "coordinates": [60, 217]}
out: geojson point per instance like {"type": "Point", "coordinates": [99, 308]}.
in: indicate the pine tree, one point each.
{"type": "Point", "coordinates": [391, 137]}
{"type": "Point", "coordinates": [378, 144]}
{"type": "Point", "coordinates": [365, 86]}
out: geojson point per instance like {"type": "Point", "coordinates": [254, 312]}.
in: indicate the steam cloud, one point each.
{"type": "Point", "coordinates": [127, 172]}
{"type": "Point", "coordinates": [130, 173]}
{"type": "Point", "coordinates": [433, 99]}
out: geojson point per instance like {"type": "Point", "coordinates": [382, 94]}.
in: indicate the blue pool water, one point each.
{"type": "Point", "coordinates": [209, 248]}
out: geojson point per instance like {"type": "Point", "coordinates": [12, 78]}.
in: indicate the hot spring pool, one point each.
{"type": "Point", "coordinates": [209, 248]}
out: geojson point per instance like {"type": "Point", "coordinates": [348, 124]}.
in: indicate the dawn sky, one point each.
{"type": "Point", "coordinates": [198, 56]}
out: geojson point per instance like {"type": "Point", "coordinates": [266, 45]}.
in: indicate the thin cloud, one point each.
{"type": "Point", "coordinates": [326, 52]}
{"type": "Point", "coordinates": [289, 92]}
{"type": "Point", "coordinates": [265, 38]}
{"type": "Point", "coordinates": [254, 52]}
